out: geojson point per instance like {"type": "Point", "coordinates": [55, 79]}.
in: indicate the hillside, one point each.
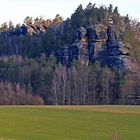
{"type": "Point", "coordinates": [93, 57]}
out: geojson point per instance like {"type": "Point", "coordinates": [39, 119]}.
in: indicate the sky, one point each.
{"type": "Point", "coordinates": [17, 10]}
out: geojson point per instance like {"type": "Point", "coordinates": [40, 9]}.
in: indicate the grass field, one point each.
{"type": "Point", "coordinates": [70, 123]}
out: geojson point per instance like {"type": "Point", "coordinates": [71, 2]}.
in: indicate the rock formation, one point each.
{"type": "Point", "coordinates": [93, 42]}
{"type": "Point", "coordinates": [98, 42]}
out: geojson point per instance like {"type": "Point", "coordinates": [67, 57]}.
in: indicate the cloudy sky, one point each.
{"type": "Point", "coordinates": [17, 10]}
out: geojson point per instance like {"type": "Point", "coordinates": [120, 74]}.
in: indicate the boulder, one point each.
{"type": "Point", "coordinates": [92, 34]}
{"type": "Point", "coordinates": [81, 34]}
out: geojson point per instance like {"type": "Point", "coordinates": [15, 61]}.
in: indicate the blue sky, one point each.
{"type": "Point", "coordinates": [17, 10]}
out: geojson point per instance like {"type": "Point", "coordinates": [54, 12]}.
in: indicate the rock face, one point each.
{"type": "Point", "coordinates": [94, 42]}
{"type": "Point", "coordinates": [24, 29]}
{"type": "Point", "coordinates": [115, 53]}
{"type": "Point", "coordinates": [100, 43]}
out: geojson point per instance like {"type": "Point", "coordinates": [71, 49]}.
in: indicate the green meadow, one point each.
{"type": "Point", "coordinates": [70, 123]}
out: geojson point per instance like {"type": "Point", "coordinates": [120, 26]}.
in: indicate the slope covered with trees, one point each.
{"type": "Point", "coordinates": [41, 61]}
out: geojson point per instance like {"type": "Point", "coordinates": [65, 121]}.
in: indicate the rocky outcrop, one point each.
{"type": "Point", "coordinates": [115, 53]}
{"type": "Point", "coordinates": [38, 27]}
{"type": "Point", "coordinates": [100, 43]}
{"type": "Point", "coordinates": [94, 42]}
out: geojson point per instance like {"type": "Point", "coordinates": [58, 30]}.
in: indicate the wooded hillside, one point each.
{"type": "Point", "coordinates": [93, 57]}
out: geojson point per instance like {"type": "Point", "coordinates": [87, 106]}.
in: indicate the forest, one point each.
{"type": "Point", "coordinates": [41, 63]}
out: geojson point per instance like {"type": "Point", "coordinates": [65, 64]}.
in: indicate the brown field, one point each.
{"type": "Point", "coordinates": [123, 109]}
